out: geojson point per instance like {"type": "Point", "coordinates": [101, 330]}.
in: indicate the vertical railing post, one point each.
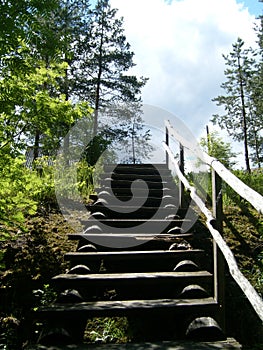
{"type": "Point", "coordinates": [217, 200]}
{"type": "Point", "coordinates": [167, 143]}
{"type": "Point", "coordinates": [181, 167]}
{"type": "Point", "coordinates": [219, 262]}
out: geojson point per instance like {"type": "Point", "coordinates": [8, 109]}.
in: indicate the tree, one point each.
{"type": "Point", "coordinates": [256, 89]}
{"type": "Point", "coordinates": [215, 147]}
{"type": "Point", "coordinates": [105, 58]}
{"type": "Point", "coordinates": [36, 109]}
{"type": "Point", "coordinates": [237, 101]}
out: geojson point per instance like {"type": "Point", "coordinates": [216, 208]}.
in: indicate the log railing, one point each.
{"type": "Point", "coordinates": [221, 251]}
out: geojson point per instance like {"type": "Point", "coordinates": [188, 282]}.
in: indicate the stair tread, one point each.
{"type": "Point", "coordinates": [138, 236]}
{"type": "Point", "coordinates": [132, 276]}
{"type": "Point", "coordinates": [134, 254]}
{"type": "Point", "coordinates": [107, 197]}
{"type": "Point", "coordinates": [174, 220]}
{"type": "Point", "coordinates": [160, 192]}
{"type": "Point", "coordinates": [138, 185]}
{"type": "Point", "coordinates": [116, 207]}
{"type": "Point", "coordinates": [127, 305]}
{"type": "Point", "coordinates": [229, 343]}
{"type": "Point", "coordinates": [143, 171]}
{"type": "Point", "coordinates": [131, 177]}
{"type": "Point", "coordinates": [141, 165]}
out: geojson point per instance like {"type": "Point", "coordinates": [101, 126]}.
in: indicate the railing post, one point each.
{"type": "Point", "coordinates": [181, 185]}
{"type": "Point", "coordinates": [217, 200]}
{"type": "Point", "coordinates": [219, 262]}
{"type": "Point", "coordinates": [167, 143]}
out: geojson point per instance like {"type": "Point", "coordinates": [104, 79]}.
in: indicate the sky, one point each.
{"type": "Point", "coordinates": [178, 45]}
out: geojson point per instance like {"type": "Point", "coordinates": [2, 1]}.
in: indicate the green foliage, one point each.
{"type": "Point", "coordinates": [239, 115]}
{"type": "Point", "coordinates": [24, 191]}
{"type": "Point", "coordinates": [45, 296]}
{"type": "Point", "coordinates": [107, 330]}
{"type": "Point", "coordinates": [17, 191]}
{"type": "Point", "coordinates": [214, 145]}
{"type": "Point", "coordinates": [85, 179]}
{"type": "Point", "coordinates": [104, 69]}
{"type": "Point", "coordinates": [253, 180]}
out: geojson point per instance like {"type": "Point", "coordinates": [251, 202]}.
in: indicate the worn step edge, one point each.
{"type": "Point", "coordinates": [118, 279]}
{"type": "Point", "coordinates": [141, 165]}
{"type": "Point", "coordinates": [228, 344]}
{"type": "Point", "coordinates": [137, 236]}
{"type": "Point", "coordinates": [131, 255]}
{"type": "Point", "coordinates": [132, 184]}
{"type": "Point", "coordinates": [126, 305]}
{"type": "Point", "coordinates": [100, 207]}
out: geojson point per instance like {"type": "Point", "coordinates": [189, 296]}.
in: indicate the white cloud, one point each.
{"type": "Point", "coordinates": [179, 46]}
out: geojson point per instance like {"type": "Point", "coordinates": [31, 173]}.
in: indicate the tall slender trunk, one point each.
{"type": "Point", "coordinates": [244, 116]}
{"type": "Point", "coordinates": [36, 145]}
{"type": "Point", "coordinates": [98, 86]}
{"type": "Point", "coordinates": [257, 145]}
{"type": "Point", "coordinates": [133, 145]}
{"type": "Point", "coordinates": [97, 100]}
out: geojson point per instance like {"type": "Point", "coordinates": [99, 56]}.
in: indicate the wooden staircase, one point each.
{"type": "Point", "coordinates": [135, 261]}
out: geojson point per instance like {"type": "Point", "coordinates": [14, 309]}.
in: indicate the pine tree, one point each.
{"type": "Point", "coordinates": [256, 89]}
{"type": "Point", "coordinates": [105, 60]}
{"type": "Point", "coordinates": [237, 102]}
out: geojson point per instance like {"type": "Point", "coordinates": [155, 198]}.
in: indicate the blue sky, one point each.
{"type": "Point", "coordinates": [179, 44]}
{"type": "Point", "coordinates": [254, 6]}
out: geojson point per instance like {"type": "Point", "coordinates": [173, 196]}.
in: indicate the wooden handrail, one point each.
{"type": "Point", "coordinates": [253, 197]}
{"type": "Point", "coordinates": [241, 280]}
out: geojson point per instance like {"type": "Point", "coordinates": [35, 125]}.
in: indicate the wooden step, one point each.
{"type": "Point", "coordinates": [139, 167]}
{"type": "Point", "coordinates": [126, 191]}
{"type": "Point", "coordinates": [136, 185]}
{"type": "Point", "coordinates": [136, 170]}
{"type": "Point", "coordinates": [228, 344]}
{"type": "Point", "coordinates": [147, 202]}
{"type": "Point", "coordinates": [135, 236]}
{"type": "Point", "coordinates": [127, 307]}
{"type": "Point", "coordinates": [135, 260]}
{"type": "Point", "coordinates": [132, 212]}
{"type": "Point", "coordinates": [106, 242]}
{"type": "Point", "coordinates": [152, 226]}
{"type": "Point", "coordinates": [138, 280]}
{"type": "Point", "coordinates": [123, 256]}
{"type": "Point", "coordinates": [133, 177]}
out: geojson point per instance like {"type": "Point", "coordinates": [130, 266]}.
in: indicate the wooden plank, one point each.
{"type": "Point", "coordinates": [136, 166]}
{"type": "Point", "coordinates": [101, 207]}
{"type": "Point", "coordinates": [143, 171]}
{"type": "Point", "coordinates": [133, 280]}
{"type": "Point", "coordinates": [137, 185]}
{"type": "Point", "coordinates": [110, 308]}
{"type": "Point", "coordinates": [137, 236]}
{"type": "Point", "coordinates": [123, 240]}
{"type": "Point", "coordinates": [228, 344]}
{"type": "Point", "coordinates": [149, 201]}
{"type": "Point", "coordinates": [152, 191]}
{"type": "Point", "coordinates": [153, 226]}
{"type": "Point", "coordinates": [137, 176]}
{"type": "Point", "coordinates": [132, 255]}
{"type": "Point", "coordinates": [176, 220]}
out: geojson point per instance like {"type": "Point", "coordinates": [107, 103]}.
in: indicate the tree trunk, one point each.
{"type": "Point", "coordinates": [36, 145]}
{"type": "Point", "coordinates": [97, 97]}
{"type": "Point", "coordinates": [244, 117]}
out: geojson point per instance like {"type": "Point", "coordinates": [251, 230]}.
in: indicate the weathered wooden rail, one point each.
{"type": "Point", "coordinates": [214, 221]}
